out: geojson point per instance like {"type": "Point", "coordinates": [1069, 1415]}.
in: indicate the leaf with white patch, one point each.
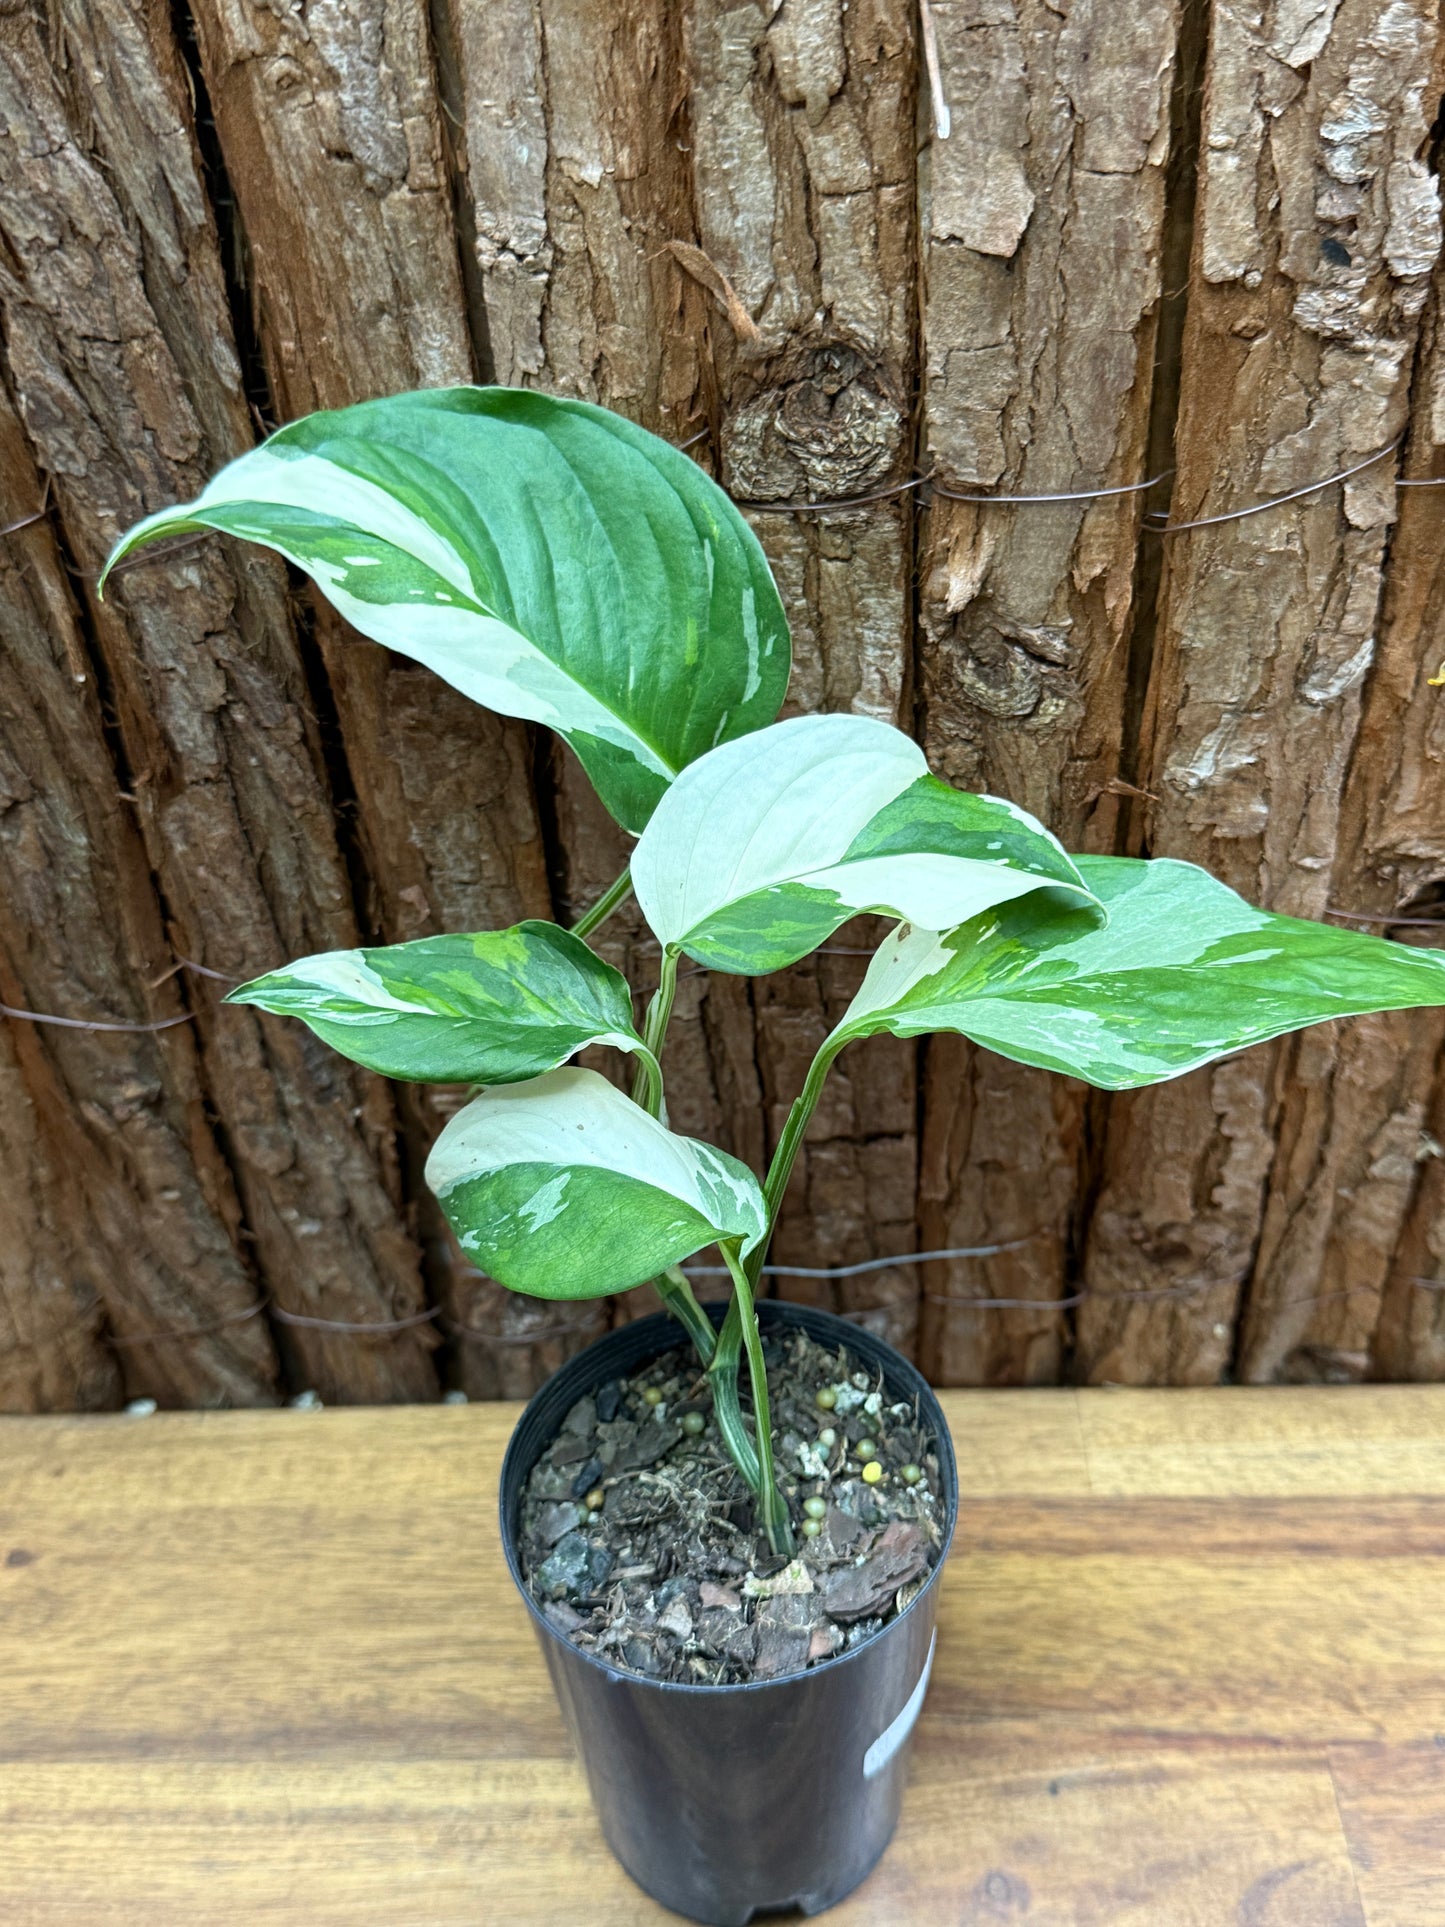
{"type": "Point", "coordinates": [546, 557]}
{"type": "Point", "coordinates": [493, 1008]}
{"type": "Point", "coordinates": [564, 1188]}
{"type": "Point", "coordinates": [1185, 972]}
{"type": "Point", "coordinates": [760, 851]}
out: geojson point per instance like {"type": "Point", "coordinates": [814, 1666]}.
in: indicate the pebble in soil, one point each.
{"type": "Point", "coordinates": [668, 1576]}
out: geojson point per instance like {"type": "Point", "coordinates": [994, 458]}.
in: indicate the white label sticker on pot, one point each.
{"type": "Point", "coordinates": [897, 1731]}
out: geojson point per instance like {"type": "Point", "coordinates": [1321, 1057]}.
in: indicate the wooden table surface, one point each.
{"type": "Point", "coordinates": [268, 1667]}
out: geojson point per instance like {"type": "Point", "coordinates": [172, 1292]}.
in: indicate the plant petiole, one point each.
{"type": "Point", "coordinates": [611, 899]}
{"type": "Point", "coordinates": [771, 1503]}
{"type": "Point", "coordinates": [647, 1082]}
{"type": "Point", "coordinates": [723, 1376]}
{"type": "Point", "coordinates": [794, 1131]}
{"type": "Point", "coordinates": [654, 1030]}
{"type": "Point", "coordinates": [676, 1293]}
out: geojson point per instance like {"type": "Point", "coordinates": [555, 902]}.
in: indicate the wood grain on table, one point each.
{"type": "Point", "coordinates": [268, 1667]}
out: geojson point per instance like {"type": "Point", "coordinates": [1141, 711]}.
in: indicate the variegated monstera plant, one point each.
{"type": "Point", "coordinates": [558, 564]}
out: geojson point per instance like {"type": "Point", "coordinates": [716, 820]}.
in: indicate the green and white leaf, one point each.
{"type": "Point", "coordinates": [1185, 972]}
{"type": "Point", "coordinates": [546, 557]}
{"type": "Point", "coordinates": [487, 1009]}
{"type": "Point", "coordinates": [565, 1188]}
{"type": "Point", "coordinates": [761, 850]}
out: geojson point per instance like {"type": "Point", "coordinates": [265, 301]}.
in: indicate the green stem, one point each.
{"type": "Point", "coordinates": [672, 1286]}
{"type": "Point", "coordinates": [654, 1029]}
{"type": "Point", "coordinates": [789, 1144]}
{"type": "Point", "coordinates": [604, 906]}
{"type": "Point", "coordinates": [771, 1502]}
{"type": "Point", "coordinates": [647, 1085]}
{"type": "Point", "coordinates": [740, 1327]}
{"type": "Point", "coordinates": [676, 1294]}
{"type": "Point", "coordinates": [723, 1375]}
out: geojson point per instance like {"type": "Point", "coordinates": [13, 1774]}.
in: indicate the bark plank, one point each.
{"type": "Point", "coordinates": [1044, 228]}
{"type": "Point", "coordinates": [801, 123]}
{"type": "Point", "coordinates": [576, 182]}
{"type": "Point", "coordinates": [125, 372]}
{"type": "Point", "coordinates": [1317, 230]}
{"type": "Point", "coordinates": [53, 1352]}
{"type": "Point", "coordinates": [706, 224]}
{"type": "Point", "coordinates": [118, 1215]}
{"type": "Point", "coordinates": [330, 124]}
{"type": "Point", "coordinates": [1389, 1257]}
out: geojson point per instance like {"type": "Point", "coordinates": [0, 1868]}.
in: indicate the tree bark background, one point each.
{"type": "Point", "coordinates": [1042, 274]}
{"type": "Point", "coordinates": [1316, 229]}
{"type": "Point", "coordinates": [1193, 235]}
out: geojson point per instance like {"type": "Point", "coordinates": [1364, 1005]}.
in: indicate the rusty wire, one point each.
{"type": "Point", "coordinates": [182, 1334]}
{"type": "Point", "coordinates": [1365, 916]}
{"type": "Point", "coordinates": [345, 1327]}
{"type": "Point", "coordinates": [835, 506]}
{"type": "Point", "coordinates": [1166, 527]}
{"type": "Point", "coordinates": [24, 521]}
{"type": "Point", "coordinates": [869, 1264]}
{"type": "Point", "coordinates": [356, 1328]}
{"type": "Point", "coordinates": [541, 1334]}
{"type": "Point", "coordinates": [1068, 495]}
{"type": "Point", "coordinates": [107, 1024]}
{"type": "Point", "coordinates": [200, 970]}
{"type": "Point", "coordinates": [85, 1023]}
{"type": "Point", "coordinates": [1154, 523]}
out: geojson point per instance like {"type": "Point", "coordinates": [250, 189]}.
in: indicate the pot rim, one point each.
{"type": "Point", "coordinates": [666, 1324]}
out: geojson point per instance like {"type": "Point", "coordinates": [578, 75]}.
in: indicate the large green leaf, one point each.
{"type": "Point", "coordinates": [546, 557]}
{"type": "Point", "coordinates": [565, 1188]}
{"type": "Point", "coordinates": [1185, 972]}
{"type": "Point", "coordinates": [761, 850]}
{"type": "Point", "coordinates": [488, 1009]}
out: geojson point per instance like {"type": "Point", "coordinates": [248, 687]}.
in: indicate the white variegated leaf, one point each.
{"type": "Point", "coordinates": [761, 850]}
{"type": "Point", "coordinates": [546, 557]}
{"type": "Point", "coordinates": [490, 1008]}
{"type": "Point", "coordinates": [565, 1188]}
{"type": "Point", "coordinates": [1185, 972]}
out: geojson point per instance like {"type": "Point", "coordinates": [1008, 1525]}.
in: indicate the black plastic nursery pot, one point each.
{"type": "Point", "coordinates": [728, 1801]}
